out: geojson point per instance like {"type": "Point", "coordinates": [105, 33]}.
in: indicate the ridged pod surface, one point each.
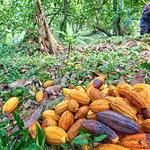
{"type": "Point", "coordinates": [136, 141]}
{"type": "Point", "coordinates": [49, 122]}
{"type": "Point", "coordinates": [146, 112]}
{"type": "Point", "coordinates": [47, 83]}
{"type": "Point", "coordinates": [118, 122]}
{"type": "Point", "coordinates": [73, 105]}
{"type": "Point", "coordinates": [111, 147]}
{"type": "Point", "coordinates": [55, 135]}
{"type": "Point", "coordinates": [82, 112]}
{"type": "Point", "coordinates": [127, 91]}
{"type": "Point", "coordinates": [10, 105]}
{"type": "Point", "coordinates": [62, 107]}
{"type": "Point", "coordinates": [100, 105]}
{"type": "Point", "coordinates": [113, 91]}
{"type": "Point", "coordinates": [81, 97]}
{"type": "Point", "coordinates": [91, 115]}
{"type": "Point", "coordinates": [50, 114]}
{"type": "Point", "coordinates": [96, 128]}
{"type": "Point", "coordinates": [66, 120]}
{"type": "Point", "coordinates": [146, 125]}
{"type": "Point", "coordinates": [39, 96]}
{"type": "Point", "coordinates": [73, 131]}
{"type": "Point", "coordinates": [140, 86]}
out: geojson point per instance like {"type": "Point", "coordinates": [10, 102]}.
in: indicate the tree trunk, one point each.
{"type": "Point", "coordinates": [46, 39]}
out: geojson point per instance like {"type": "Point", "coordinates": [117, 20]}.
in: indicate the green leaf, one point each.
{"type": "Point", "coordinates": [18, 120]}
{"type": "Point", "coordinates": [80, 140]}
{"type": "Point", "coordinates": [100, 138]}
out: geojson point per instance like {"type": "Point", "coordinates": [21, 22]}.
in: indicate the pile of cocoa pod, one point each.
{"type": "Point", "coordinates": [121, 112]}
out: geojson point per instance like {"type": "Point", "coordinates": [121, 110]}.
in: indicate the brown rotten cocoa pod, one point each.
{"type": "Point", "coordinates": [96, 128]}
{"type": "Point", "coordinates": [136, 141]}
{"type": "Point", "coordinates": [118, 122]}
{"type": "Point", "coordinates": [97, 83]}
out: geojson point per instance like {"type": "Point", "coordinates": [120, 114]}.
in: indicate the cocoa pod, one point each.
{"type": "Point", "coordinates": [66, 120]}
{"type": "Point", "coordinates": [32, 129]}
{"type": "Point", "coordinates": [55, 135]}
{"type": "Point", "coordinates": [82, 112]}
{"type": "Point", "coordinates": [91, 115]}
{"type": "Point", "coordinates": [96, 128]}
{"type": "Point", "coordinates": [80, 88]}
{"type": "Point", "coordinates": [145, 112]}
{"type": "Point", "coordinates": [113, 91]}
{"type": "Point", "coordinates": [73, 131]}
{"type": "Point", "coordinates": [97, 83]}
{"type": "Point", "coordinates": [127, 91]}
{"type": "Point", "coordinates": [119, 105]}
{"type": "Point", "coordinates": [146, 125]}
{"type": "Point", "coordinates": [140, 86]}
{"type": "Point", "coordinates": [81, 97]}
{"type": "Point", "coordinates": [111, 147]}
{"type": "Point", "coordinates": [86, 147]}
{"type": "Point", "coordinates": [48, 122]}
{"type": "Point", "coordinates": [94, 93]}
{"type": "Point", "coordinates": [100, 105]}
{"type": "Point", "coordinates": [39, 96]}
{"type": "Point", "coordinates": [47, 83]}
{"type": "Point", "coordinates": [10, 105]}
{"type": "Point", "coordinates": [50, 114]}
{"type": "Point", "coordinates": [118, 122]}
{"type": "Point", "coordinates": [136, 141]}
{"type": "Point", "coordinates": [62, 107]}
{"type": "Point", "coordinates": [73, 105]}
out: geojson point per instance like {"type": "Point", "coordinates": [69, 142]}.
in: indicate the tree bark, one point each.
{"type": "Point", "coordinates": [52, 43]}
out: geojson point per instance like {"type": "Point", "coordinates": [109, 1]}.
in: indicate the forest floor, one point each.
{"type": "Point", "coordinates": [115, 57]}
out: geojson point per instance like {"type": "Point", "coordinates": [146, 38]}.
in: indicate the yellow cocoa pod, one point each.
{"type": "Point", "coordinates": [66, 120]}
{"type": "Point", "coordinates": [86, 147]}
{"type": "Point", "coordinates": [49, 122]}
{"type": "Point", "coordinates": [146, 125]}
{"type": "Point", "coordinates": [10, 105]}
{"type": "Point", "coordinates": [61, 107]}
{"type": "Point", "coordinates": [80, 88]}
{"type": "Point", "coordinates": [55, 135]}
{"type": "Point", "coordinates": [73, 131]}
{"type": "Point", "coordinates": [113, 91]}
{"type": "Point", "coordinates": [82, 112]}
{"type": "Point", "coordinates": [100, 105]}
{"type": "Point", "coordinates": [67, 91]}
{"type": "Point", "coordinates": [39, 96]}
{"type": "Point", "coordinates": [50, 114]}
{"type": "Point", "coordinates": [48, 83]}
{"type": "Point", "coordinates": [91, 115]}
{"type": "Point", "coordinates": [140, 86]}
{"type": "Point", "coordinates": [32, 129]}
{"type": "Point", "coordinates": [81, 97]}
{"type": "Point", "coordinates": [111, 147]}
{"type": "Point", "coordinates": [121, 106]}
{"type": "Point", "coordinates": [73, 105]}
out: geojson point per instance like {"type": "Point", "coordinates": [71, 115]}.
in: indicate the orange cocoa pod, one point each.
{"type": "Point", "coordinates": [91, 115]}
{"type": "Point", "coordinates": [73, 131]}
{"type": "Point", "coordinates": [146, 125]}
{"type": "Point", "coordinates": [62, 107]}
{"type": "Point", "coordinates": [94, 94]}
{"type": "Point", "coordinates": [10, 105]}
{"type": "Point", "coordinates": [49, 122]}
{"type": "Point", "coordinates": [80, 88]}
{"type": "Point", "coordinates": [111, 147]}
{"type": "Point", "coordinates": [50, 114]}
{"type": "Point", "coordinates": [73, 105]}
{"type": "Point", "coordinates": [136, 141]}
{"type": "Point", "coordinates": [32, 129]}
{"type": "Point", "coordinates": [127, 91]}
{"type": "Point", "coordinates": [39, 96]}
{"type": "Point", "coordinates": [81, 97]}
{"type": "Point", "coordinates": [113, 91]}
{"type": "Point", "coordinates": [47, 83]}
{"type": "Point", "coordinates": [82, 112]}
{"type": "Point", "coordinates": [66, 120]}
{"type": "Point", "coordinates": [100, 105]}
